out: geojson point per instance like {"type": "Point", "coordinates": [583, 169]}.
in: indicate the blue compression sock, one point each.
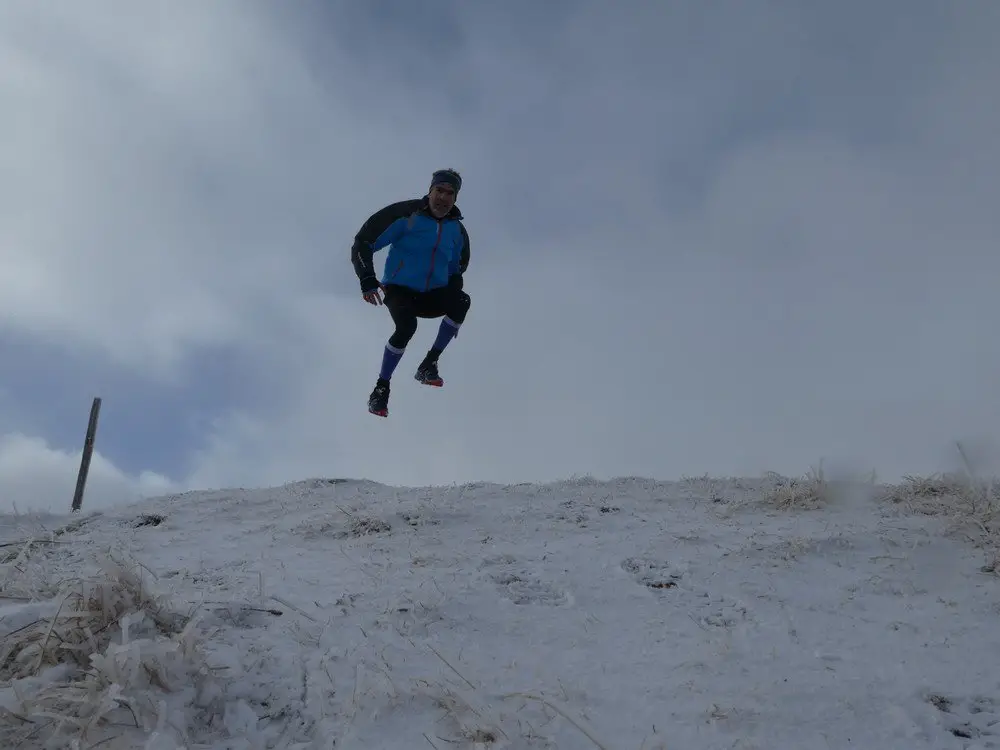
{"type": "Point", "coordinates": [446, 332]}
{"type": "Point", "coordinates": [390, 358]}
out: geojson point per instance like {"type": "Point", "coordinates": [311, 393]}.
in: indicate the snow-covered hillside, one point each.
{"type": "Point", "coordinates": [626, 615]}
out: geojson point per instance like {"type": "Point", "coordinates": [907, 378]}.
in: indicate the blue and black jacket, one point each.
{"type": "Point", "coordinates": [426, 252]}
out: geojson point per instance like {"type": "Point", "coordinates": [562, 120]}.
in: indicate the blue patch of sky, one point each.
{"type": "Point", "coordinates": [144, 425]}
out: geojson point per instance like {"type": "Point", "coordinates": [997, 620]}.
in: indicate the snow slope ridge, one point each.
{"type": "Point", "coordinates": [632, 614]}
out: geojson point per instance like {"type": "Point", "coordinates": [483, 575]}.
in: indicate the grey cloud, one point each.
{"type": "Point", "coordinates": [703, 240]}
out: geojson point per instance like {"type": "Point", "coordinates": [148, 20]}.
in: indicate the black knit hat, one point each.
{"type": "Point", "coordinates": [448, 177]}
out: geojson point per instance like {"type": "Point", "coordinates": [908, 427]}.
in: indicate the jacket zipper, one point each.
{"type": "Point", "coordinates": [427, 281]}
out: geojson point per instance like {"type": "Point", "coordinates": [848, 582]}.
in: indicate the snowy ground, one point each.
{"type": "Point", "coordinates": [626, 615]}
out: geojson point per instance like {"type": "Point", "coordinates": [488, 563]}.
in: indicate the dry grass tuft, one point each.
{"type": "Point", "coordinates": [973, 505]}
{"type": "Point", "coordinates": [356, 526]}
{"type": "Point", "coordinates": [367, 526]}
{"type": "Point", "coordinates": [97, 664]}
{"type": "Point", "coordinates": [799, 493]}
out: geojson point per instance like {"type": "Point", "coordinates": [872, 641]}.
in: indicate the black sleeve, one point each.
{"type": "Point", "coordinates": [463, 262]}
{"type": "Point", "coordinates": [363, 248]}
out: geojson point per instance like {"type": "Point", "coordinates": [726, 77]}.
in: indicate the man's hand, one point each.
{"type": "Point", "coordinates": [372, 290]}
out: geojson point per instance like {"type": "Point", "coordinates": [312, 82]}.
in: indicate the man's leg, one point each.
{"type": "Point", "coordinates": [454, 305]}
{"type": "Point", "coordinates": [399, 301]}
{"type": "Point", "coordinates": [400, 304]}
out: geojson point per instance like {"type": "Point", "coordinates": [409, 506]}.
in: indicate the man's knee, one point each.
{"type": "Point", "coordinates": [406, 326]}
{"type": "Point", "coordinates": [402, 335]}
{"type": "Point", "coordinates": [459, 308]}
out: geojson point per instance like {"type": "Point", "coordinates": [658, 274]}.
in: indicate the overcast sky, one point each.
{"type": "Point", "coordinates": [717, 238]}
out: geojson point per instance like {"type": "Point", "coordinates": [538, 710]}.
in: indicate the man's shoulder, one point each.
{"type": "Point", "coordinates": [409, 204]}
{"type": "Point", "coordinates": [386, 217]}
{"type": "Point", "coordinates": [402, 208]}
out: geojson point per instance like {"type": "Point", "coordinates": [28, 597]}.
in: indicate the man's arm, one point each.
{"type": "Point", "coordinates": [458, 265]}
{"type": "Point", "coordinates": [463, 262]}
{"type": "Point", "coordinates": [381, 229]}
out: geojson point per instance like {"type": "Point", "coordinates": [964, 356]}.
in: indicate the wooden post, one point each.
{"type": "Point", "coordinates": [88, 450]}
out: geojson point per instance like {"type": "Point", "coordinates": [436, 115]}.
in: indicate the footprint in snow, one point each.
{"type": "Point", "coordinates": [976, 719]}
{"type": "Point", "coordinates": [418, 518]}
{"type": "Point", "coordinates": [523, 589]}
{"type": "Point", "coordinates": [654, 574]}
{"type": "Point", "coordinates": [705, 608]}
{"type": "Point", "coordinates": [494, 560]}
{"type": "Point", "coordinates": [717, 611]}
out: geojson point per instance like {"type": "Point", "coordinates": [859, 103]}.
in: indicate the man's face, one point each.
{"type": "Point", "coordinates": [441, 199]}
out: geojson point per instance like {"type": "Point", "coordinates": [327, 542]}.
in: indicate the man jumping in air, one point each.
{"type": "Point", "coordinates": [423, 275]}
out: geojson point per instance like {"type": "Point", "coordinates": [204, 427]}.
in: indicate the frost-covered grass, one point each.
{"type": "Point", "coordinates": [773, 612]}
{"type": "Point", "coordinates": [971, 503]}
{"type": "Point", "coordinates": [809, 492]}
{"type": "Point", "coordinates": [94, 660]}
